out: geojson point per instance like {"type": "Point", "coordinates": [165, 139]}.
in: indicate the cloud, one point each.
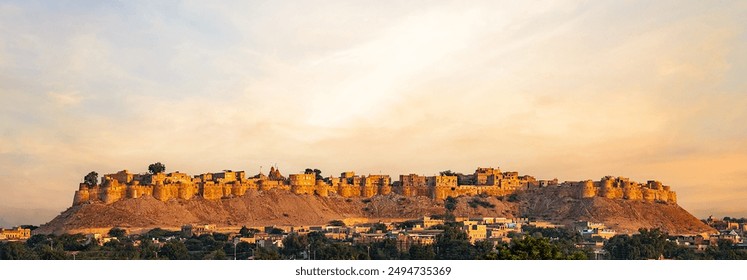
{"type": "Point", "coordinates": [65, 98]}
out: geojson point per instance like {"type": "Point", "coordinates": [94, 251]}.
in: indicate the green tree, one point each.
{"type": "Point", "coordinates": [220, 236]}
{"type": "Point", "coordinates": [421, 252]}
{"type": "Point", "coordinates": [92, 178]}
{"type": "Point", "coordinates": [148, 250]}
{"type": "Point", "coordinates": [209, 243]}
{"type": "Point", "coordinates": [620, 247]}
{"type": "Point", "coordinates": [160, 233]}
{"type": "Point", "coordinates": [217, 255]}
{"type": "Point", "coordinates": [244, 250]}
{"type": "Point", "coordinates": [447, 173]}
{"type": "Point", "coordinates": [450, 204]}
{"type": "Point", "coordinates": [244, 232]}
{"type": "Point", "coordinates": [263, 253]}
{"type": "Point", "coordinates": [38, 239]}
{"type": "Point", "coordinates": [553, 233]}
{"type": "Point", "coordinates": [453, 244]}
{"type": "Point", "coordinates": [294, 246]}
{"type": "Point", "coordinates": [378, 227]}
{"type": "Point", "coordinates": [72, 242]}
{"type": "Point", "coordinates": [531, 248]}
{"type": "Point", "coordinates": [337, 223]}
{"type": "Point", "coordinates": [117, 232]}
{"type": "Point", "coordinates": [725, 250]}
{"type": "Point", "coordinates": [156, 168]}
{"type": "Point", "coordinates": [16, 251]}
{"type": "Point", "coordinates": [126, 251]}
{"type": "Point", "coordinates": [484, 250]}
{"type": "Point", "coordinates": [29, 227]}
{"type": "Point", "coordinates": [647, 244]}
{"type": "Point", "coordinates": [174, 250]}
{"type": "Point", "coordinates": [53, 253]}
{"type": "Point", "coordinates": [193, 244]}
{"type": "Point", "coordinates": [339, 251]}
{"type": "Point", "coordinates": [316, 172]}
{"type": "Point", "coordinates": [384, 250]}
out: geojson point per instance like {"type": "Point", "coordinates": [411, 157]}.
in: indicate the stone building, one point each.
{"type": "Point", "coordinates": [623, 188]}
{"type": "Point", "coordinates": [302, 183]}
{"type": "Point", "coordinates": [487, 176]}
{"type": "Point", "coordinates": [442, 186]}
{"type": "Point", "coordinates": [16, 233]}
{"type": "Point", "coordinates": [375, 185]}
{"type": "Point", "coordinates": [412, 185]}
{"type": "Point", "coordinates": [407, 239]}
{"type": "Point", "coordinates": [197, 230]}
{"type": "Point", "coordinates": [475, 231]}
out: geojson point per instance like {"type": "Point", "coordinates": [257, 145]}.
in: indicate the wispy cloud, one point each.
{"type": "Point", "coordinates": [65, 98]}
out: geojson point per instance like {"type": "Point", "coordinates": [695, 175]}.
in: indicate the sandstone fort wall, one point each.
{"type": "Point", "coordinates": [485, 181]}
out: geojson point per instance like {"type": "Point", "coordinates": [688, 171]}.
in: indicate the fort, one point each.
{"type": "Point", "coordinates": [484, 181]}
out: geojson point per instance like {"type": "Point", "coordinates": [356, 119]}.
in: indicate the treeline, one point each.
{"type": "Point", "coordinates": [655, 244]}
{"type": "Point", "coordinates": [142, 247]}
{"type": "Point", "coordinates": [452, 244]}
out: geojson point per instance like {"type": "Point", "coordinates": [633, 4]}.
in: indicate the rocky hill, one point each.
{"type": "Point", "coordinates": [624, 216]}
{"type": "Point", "coordinates": [278, 207]}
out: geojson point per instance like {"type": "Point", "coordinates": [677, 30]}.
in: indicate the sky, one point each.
{"type": "Point", "coordinates": [572, 90]}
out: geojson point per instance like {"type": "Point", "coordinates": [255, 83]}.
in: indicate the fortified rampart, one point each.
{"type": "Point", "coordinates": [484, 181]}
{"type": "Point", "coordinates": [623, 188]}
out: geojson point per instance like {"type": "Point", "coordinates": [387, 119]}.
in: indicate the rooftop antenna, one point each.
{"type": "Point", "coordinates": [260, 169]}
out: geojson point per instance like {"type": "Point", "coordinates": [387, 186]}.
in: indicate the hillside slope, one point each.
{"type": "Point", "coordinates": [624, 216]}
{"type": "Point", "coordinates": [284, 208]}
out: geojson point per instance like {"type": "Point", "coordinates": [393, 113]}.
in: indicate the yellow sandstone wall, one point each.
{"type": "Point", "coordinates": [633, 192]}
{"type": "Point", "coordinates": [622, 188]}
{"type": "Point", "coordinates": [239, 189]}
{"type": "Point", "coordinates": [186, 191]}
{"type": "Point", "coordinates": [81, 195]}
{"type": "Point", "coordinates": [112, 191]}
{"type": "Point", "coordinates": [385, 190]}
{"type": "Point", "coordinates": [369, 191]}
{"type": "Point", "coordinates": [349, 191]}
{"type": "Point", "coordinates": [212, 192]}
{"type": "Point", "coordinates": [229, 184]}
{"type": "Point", "coordinates": [164, 192]}
{"type": "Point", "coordinates": [587, 189]}
{"type": "Point", "coordinates": [322, 190]}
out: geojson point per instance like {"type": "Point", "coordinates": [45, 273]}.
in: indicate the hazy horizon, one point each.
{"type": "Point", "coordinates": [572, 90]}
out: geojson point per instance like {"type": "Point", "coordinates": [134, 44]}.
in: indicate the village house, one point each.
{"type": "Point", "coordinates": [197, 230]}
{"type": "Point", "coordinates": [16, 233]}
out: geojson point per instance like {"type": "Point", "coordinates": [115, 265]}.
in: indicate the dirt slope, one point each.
{"type": "Point", "coordinates": [254, 209]}
{"type": "Point", "coordinates": [624, 216]}
{"type": "Point", "coordinates": [284, 208]}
